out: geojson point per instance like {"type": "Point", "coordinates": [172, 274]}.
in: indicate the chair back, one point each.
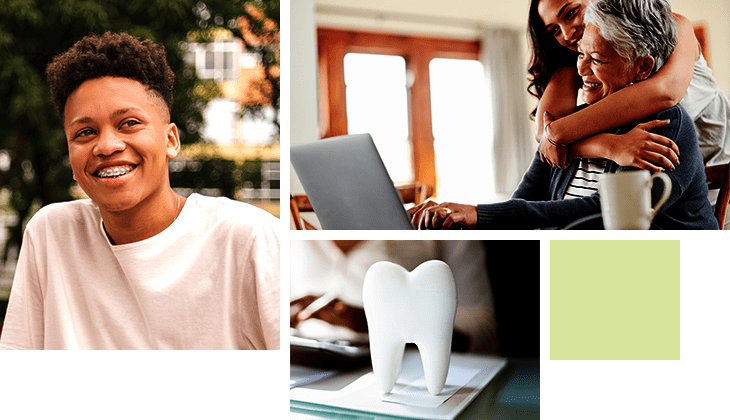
{"type": "Point", "coordinates": [300, 204]}
{"type": "Point", "coordinates": [415, 193]}
{"type": "Point", "coordinates": [718, 178]}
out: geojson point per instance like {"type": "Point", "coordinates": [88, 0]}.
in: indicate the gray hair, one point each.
{"type": "Point", "coordinates": [636, 28]}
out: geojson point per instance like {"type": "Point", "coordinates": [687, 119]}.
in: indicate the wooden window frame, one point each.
{"type": "Point", "coordinates": [334, 44]}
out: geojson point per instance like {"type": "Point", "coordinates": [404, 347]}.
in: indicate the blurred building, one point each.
{"type": "Point", "coordinates": [240, 126]}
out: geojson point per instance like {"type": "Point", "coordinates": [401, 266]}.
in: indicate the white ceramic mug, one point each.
{"type": "Point", "coordinates": [626, 198]}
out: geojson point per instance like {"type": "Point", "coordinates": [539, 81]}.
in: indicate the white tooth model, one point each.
{"type": "Point", "coordinates": [417, 307]}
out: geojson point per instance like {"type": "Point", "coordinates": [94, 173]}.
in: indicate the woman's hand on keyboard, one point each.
{"type": "Point", "coordinates": [432, 215]}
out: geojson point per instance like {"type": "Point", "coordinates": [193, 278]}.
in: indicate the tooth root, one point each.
{"type": "Point", "coordinates": [417, 307]}
{"type": "Point", "coordinates": [435, 355]}
{"type": "Point", "coordinates": [387, 358]}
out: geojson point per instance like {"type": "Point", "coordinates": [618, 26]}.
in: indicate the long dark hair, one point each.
{"type": "Point", "coordinates": [547, 54]}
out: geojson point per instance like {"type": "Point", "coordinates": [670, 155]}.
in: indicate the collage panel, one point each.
{"type": "Point", "coordinates": [431, 117]}
{"type": "Point", "coordinates": [498, 128]}
{"type": "Point", "coordinates": [413, 328]}
{"type": "Point", "coordinates": [141, 152]}
{"type": "Point", "coordinates": [139, 186]}
{"type": "Point", "coordinates": [139, 207]}
{"type": "Point", "coordinates": [630, 323]}
{"type": "Point", "coordinates": [634, 315]}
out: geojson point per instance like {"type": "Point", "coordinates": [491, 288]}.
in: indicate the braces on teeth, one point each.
{"type": "Point", "coordinates": [113, 172]}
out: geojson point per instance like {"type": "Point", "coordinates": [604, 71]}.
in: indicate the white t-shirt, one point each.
{"type": "Point", "coordinates": [709, 108]}
{"type": "Point", "coordinates": [208, 281]}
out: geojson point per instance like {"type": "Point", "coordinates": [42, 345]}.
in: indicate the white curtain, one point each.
{"type": "Point", "coordinates": [514, 144]}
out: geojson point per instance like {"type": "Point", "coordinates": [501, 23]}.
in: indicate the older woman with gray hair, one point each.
{"type": "Point", "coordinates": [624, 42]}
{"type": "Point", "coordinates": [623, 24]}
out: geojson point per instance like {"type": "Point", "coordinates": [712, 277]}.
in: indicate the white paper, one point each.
{"type": "Point", "coordinates": [416, 393]}
{"type": "Point", "coordinates": [300, 376]}
{"type": "Point", "coordinates": [363, 395]}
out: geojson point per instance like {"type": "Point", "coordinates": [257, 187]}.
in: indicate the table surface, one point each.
{"type": "Point", "coordinates": [513, 394]}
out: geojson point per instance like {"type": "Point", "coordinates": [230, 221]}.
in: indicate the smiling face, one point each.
{"type": "Point", "coordinates": [119, 142]}
{"type": "Point", "coordinates": [602, 69]}
{"type": "Point", "coordinates": [563, 19]}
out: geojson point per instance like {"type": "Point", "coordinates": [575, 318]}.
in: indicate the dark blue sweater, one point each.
{"type": "Point", "coordinates": [538, 201]}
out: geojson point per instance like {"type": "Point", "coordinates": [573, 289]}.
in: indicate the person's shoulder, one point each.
{"type": "Point", "coordinates": [676, 114]}
{"type": "Point", "coordinates": [65, 212]}
{"type": "Point", "coordinates": [64, 220]}
{"type": "Point", "coordinates": [680, 124]}
{"type": "Point", "coordinates": [233, 214]}
{"type": "Point", "coordinates": [681, 130]}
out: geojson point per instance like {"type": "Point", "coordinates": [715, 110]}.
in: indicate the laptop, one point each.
{"type": "Point", "coordinates": [347, 183]}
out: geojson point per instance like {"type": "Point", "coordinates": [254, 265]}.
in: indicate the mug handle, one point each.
{"type": "Point", "coordinates": [665, 194]}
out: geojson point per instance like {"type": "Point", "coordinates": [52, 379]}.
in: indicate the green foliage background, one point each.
{"type": "Point", "coordinates": [32, 32]}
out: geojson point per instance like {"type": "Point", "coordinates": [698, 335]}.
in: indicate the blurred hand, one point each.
{"type": "Point", "coordinates": [346, 245]}
{"type": "Point", "coordinates": [645, 150]}
{"type": "Point", "coordinates": [549, 152]}
{"type": "Point", "coordinates": [432, 215]}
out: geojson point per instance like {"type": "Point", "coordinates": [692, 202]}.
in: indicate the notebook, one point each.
{"type": "Point", "coordinates": [347, 183]}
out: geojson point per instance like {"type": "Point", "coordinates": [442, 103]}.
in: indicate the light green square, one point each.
{"type": "Point", "coordinates": [614, 300]}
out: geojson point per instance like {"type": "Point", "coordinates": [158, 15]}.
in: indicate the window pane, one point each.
{"type": "Point", "coordinates": [221, 117]}
{"type": "Point", "coordinates": [227, 61]}
{"type": "Point", "coordinates": [462, 128]}
{"type": "Point", "coordinates": [210, 60]}
{"type": "Point", "coordinates": [377, 104]}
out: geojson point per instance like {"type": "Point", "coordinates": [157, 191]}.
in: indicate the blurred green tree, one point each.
{"type": "Point", "coordinates": [34, 167]}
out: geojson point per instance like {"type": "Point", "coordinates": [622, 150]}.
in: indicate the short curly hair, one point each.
{"type": "Point", "coordinates": [115, 55]}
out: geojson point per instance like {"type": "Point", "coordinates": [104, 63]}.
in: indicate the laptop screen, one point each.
{"type": "Point", "coordinates": [347, 183]}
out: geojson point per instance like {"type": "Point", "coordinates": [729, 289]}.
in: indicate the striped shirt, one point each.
{"type": "Point", "coordinates": [585, 179]}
